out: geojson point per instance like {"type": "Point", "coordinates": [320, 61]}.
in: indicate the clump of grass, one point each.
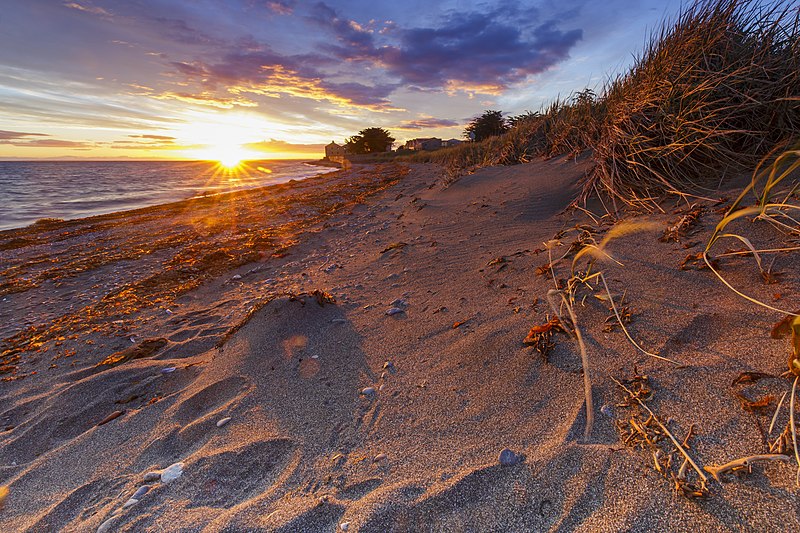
{"type": "Point", "coordinates": [712, 93]}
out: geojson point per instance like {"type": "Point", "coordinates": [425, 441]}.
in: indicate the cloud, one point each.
{"type": "Point", "coordinates": [6, 135]}
{"type": "Point", "coordinates": [269, 73]}
{"type": "Point", "coordinates": [87, 8]}
{"type": "Point", "coordinates": [51, 143]}
{"type": "Point", "coordinates": [427, 123]}
{"type": "Point", "coordinates": [274, 145]}
{"type": "Point", "coordinates": [281, 8]}
{"type": "Point", "coordinates": [484, 52]}
{"type": "Point", "coordinates": [154, 137]}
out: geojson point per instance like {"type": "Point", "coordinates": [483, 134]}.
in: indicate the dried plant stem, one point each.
{"type": "Point", "coordinates": [743, 295]}
{"type": "Point", "coordinates": [744, 462]}
{"type": "Point", "coordinates": [616, 314]}
{"type": "Point", "coordinates": [794, 430]}
{"type": "Point", "coordinates": [666, 431]}
{"type": "Point", "coordinates": [775, 416]}
{"type": "Point", "coordinates": [587, 380]}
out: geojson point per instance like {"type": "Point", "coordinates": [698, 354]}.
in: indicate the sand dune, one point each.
{"type": "Point", "coordinates": [343, 416]}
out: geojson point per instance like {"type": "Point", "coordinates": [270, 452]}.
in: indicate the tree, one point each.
{"type": "Point", "coordinates": [369, 140]}
{"type": "Point", "coordinates": [487, 125]}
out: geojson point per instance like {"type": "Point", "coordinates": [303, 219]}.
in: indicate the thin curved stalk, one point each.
{"type": "Point", "coordinates": [616, 314]}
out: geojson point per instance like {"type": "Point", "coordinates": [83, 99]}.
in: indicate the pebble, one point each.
{"type": "Point", "coordinates": [368, 391]}
{"type": "Point", "coordinates": [394, 311]}
{"type": "Point", "coordinates": [223, 421]}
{"type": "Point", "coordinates": [106, 526]}
{"type": "Point", "coordinates": [344, 526]}
{"type": "Point", "coordinates": [380, 458]}
{"type": "Point", "coordinates": [607, 410]}
{"type": "Point", "coordinates": [141, 491]}
{"type": "Point", "coordinates": [388, 365]}
{"type": "Point", "coordinates": [399, 302]}
{"type": "Point", "coordinates": [508, 458]}
{"type": "Point", "coordinates": [152, 476]}
{"type": "Point", "coordinates": [236, 276]}
{"type": "Point", "coordinates": [168, 370]}
{"type": "Point", "coordinates": [171, 473]}
{"type": "Point", "coordinates": [130, 503]}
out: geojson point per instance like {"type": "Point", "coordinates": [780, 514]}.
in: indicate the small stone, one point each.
{"type": "Point", "coordinates": [171, 473]}
{"type": "Point", "coordinates": [394, 311]}
{"type": "Point", "coordinates": [388, 365]}
{"type": "Point", "coordinates": [607, 410]}
{"type": "Point", "coordinates": [130, 503]}
{"type": "Point", "coordinates": [152, 476]}
{"type": "Point", "coordinates": [368, 391]}
{"type": "Point", "coordinates": [236, 276]}
{"type": "Point", "coordinates": [223, 421]}
{"type": "Point", "coordinates": [141, 491]}
{"type": "Point", "coordinates": [399, 302]}
{"type": "Point", "coordinates": [344, 526]}
{"type": "Point", "coordinates": [508, 458]}
{"type": "Point", "coordinates": [383, 386]}
{"type": "Point", "coordinates": [168, 370]}
{"type": "Point", "coordinates": [380, 458]}
{"type": "Point", "coordinates": [106, 526]}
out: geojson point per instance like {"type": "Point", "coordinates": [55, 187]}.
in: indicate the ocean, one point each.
{"type": "Point", "coordinates": [31, 190]}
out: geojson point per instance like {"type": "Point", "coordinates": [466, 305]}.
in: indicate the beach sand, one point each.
{"type": "Point", "coordinates": [388, 409]}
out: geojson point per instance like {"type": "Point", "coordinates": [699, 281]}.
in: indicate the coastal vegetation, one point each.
{"type": "Point", "coordinates": [713, 92]}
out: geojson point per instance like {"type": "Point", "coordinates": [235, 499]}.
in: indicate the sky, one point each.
{"type": "Point", "coordinates": [203, 79]}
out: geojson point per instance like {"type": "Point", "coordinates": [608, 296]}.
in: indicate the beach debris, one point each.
{"type": "Point", "coordinates": [540, 337]}
{"type": "Point", "coordinates": [388, 365]}
{"type": "Point", "coordinates": [3, 496]}
{"type": "Point", "coordinates": [394, 311]}
{"type": "Point", "coordinates": [607, 410]}
{"type": "Point", "coordinates": [497, 261]}
{"type": "Point", "coordinates": [146, 348]}
{"type": "Point", "coordinates": [112, 416]}
{"type": "Point", "coordinates": [611, 322]}
{"type": "Point", "coordinates": [743, 463]}
{"type": "Point", "coordinates": [152, 476]}
{"type": "Point", "coordinates": [685, 227]}
{"type": "Point", "coordinates": [508, 457]}
{"type": "Point", "coordinates": [697, 262]}
{"type": "Point", "coordinates": [344, 526]}
{"type": "Point", "coordinates": [168, 370]}
{"type": "Point", "coordinates": [368, 391]}
{"type": "Point", "coordinates": [750, 377]}
{"type": "Point", "coordinates": [783, 328]}
{"type": "Point", "coordinates": [394, 246]}
{"type": "Point", "coordinates": [223, 421]}
{"type": "Point", "coordinates": [754, 405]}
{"type": "Point", "coordinates": [649, 434]}
{"type": "Point", "coordinates": [172, 472]}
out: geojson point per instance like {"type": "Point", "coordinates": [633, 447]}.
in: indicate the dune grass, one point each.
{"type": "Point", "coordinates": [713, 92]}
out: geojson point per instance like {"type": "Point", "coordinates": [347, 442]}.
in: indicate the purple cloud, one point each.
{"type": "Point", "coordinates": [427, 123]}
{"type": "Point", "coordinates": [476, 49]}
{"type": "Point", "coordinates": [281, 8]}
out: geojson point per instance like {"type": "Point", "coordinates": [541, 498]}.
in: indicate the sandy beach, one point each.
{"type": "Point", "coordinates": [346, 353]}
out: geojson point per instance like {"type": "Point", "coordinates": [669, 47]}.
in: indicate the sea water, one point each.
{"type": "Point", "coordinates": [31, 190]}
